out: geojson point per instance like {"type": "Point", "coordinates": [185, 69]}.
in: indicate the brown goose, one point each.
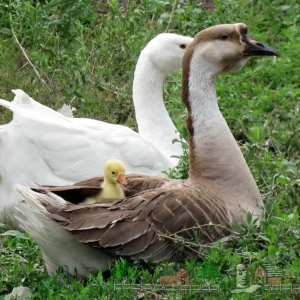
{"type": "Point", "coordinates": [220, 189]}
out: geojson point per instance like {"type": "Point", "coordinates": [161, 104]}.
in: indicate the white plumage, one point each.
{"type": "Point", "coordinates": [41, 145]}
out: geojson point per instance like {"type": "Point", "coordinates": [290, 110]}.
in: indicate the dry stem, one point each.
{"type": "Point", "coordinates": [24, 53]}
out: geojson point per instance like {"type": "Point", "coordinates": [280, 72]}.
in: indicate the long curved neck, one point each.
{"type": "Point", "coordinates": [214, 153]}
{"type": "Point", "coordinates": [154, 123]}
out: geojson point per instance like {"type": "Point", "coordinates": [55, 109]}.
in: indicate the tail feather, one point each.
{"type": "Point", "coordinates": [21, 97]}
{"type": "Point", "coordinates": [43, 197]}
{"type": "Point", "coordinates": [5, 103]}
{"type": "Point", "coordinates": [59, 247]}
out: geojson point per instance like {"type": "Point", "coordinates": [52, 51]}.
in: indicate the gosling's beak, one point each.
{"type": "Point", "coordinates": [122, 179]}
{"type": "Point", "coordinates": [253, 47]}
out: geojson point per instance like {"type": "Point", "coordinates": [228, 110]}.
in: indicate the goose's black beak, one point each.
{"type": "Point", "coordinates": [254, 47]}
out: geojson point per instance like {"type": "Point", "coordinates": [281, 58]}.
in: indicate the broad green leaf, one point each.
{"type": "Point", "coordinates": [16, 234]}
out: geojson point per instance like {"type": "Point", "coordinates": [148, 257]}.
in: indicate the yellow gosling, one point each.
{"type": "Point", "coordinates": [114, 178]}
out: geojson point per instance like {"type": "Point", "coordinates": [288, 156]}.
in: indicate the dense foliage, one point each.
{"type": "Point", "coordinates": [87, 58]}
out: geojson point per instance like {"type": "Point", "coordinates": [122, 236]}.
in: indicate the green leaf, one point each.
{"type": "Point", "coordinates": [290, 167]}
{"type": "Point", "coordinates": [165, 16]}
{"type": "Point", "coordinates": [249, 218]}
{"type": "Point", "coordinates": [284, 7]}
{"type": "Point", "coordinates": [16, 234]}
{"type": "Point", "coordinates": [271, 232]}
{"type": "Point", "coordinates": [271, 249]}
{"type": "Point", "coordinates": [283, 179]}
{"type": "Point", "coordinates": [5, 31]}
{"type": "Point", "coordinates": [264, 238]}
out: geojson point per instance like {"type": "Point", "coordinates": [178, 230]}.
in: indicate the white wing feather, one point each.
{"type": "Point", "coordinates": [56, 243]}
{"type": "Point", "coordinates": [42, 146]}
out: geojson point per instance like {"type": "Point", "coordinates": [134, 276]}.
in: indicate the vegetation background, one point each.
{"type": "Point", "coordinates": [85, 53]}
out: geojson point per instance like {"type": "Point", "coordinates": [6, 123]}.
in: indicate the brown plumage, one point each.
{"type": "Point", "coordinates": [133, 227]}
{"type": "Point", "coordinates": [79, 191]}
{"type": "Point", "coordinates": [218, 194]}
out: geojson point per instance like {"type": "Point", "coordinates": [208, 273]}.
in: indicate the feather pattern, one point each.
{"type": "Point", "coordinates": [77, 192]}
{"type": "Point", "coordinates": [218, 194]}
{"type": "Point", "coordinates": [176, 207]}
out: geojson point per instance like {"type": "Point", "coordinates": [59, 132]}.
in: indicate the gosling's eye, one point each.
{"type": "Point", "coordinates": [182, 46]}
{"type": "Point", "coordinates": [112, 172]}
{"type": "Point", "coordinates": [224, 37]}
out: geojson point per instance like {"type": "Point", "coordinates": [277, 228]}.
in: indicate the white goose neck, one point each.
{"type": "Point", "coordinates": [154, 123]}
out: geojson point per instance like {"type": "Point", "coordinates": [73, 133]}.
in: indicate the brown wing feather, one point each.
{"type": "Point", "coordinates": [137, 245]}
{"type": "Point", "coordinates": [141, 182]}
{"type": "Point", "coordinates": [79, 191]}
{"type": "Point", "coordinates": [135, 227]}
{"type": "Point", "coordinates": [71, 193]}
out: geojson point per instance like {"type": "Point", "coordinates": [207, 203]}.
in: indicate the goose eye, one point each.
{"type": "Point", "coordinates": [112, 172]}
{"type": "Point", "coordinates": [182, 46]}
{"type": "Point", "coordinates": [224, 37]}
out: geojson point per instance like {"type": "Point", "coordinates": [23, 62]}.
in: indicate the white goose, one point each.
{"type": "Point", "coordinates": [61, 150]}
{"type": "Point", "coordinates": [220, 189]}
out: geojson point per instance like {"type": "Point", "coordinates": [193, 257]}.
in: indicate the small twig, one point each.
{"type": "Point", "coordinates": [182, 241]}
{"type": "Point", "coordinates": [172, 13]}
{"type": "Point", "coordinates": [24, 53]}
{"type": "Point", "coordinates": [192, 245]}
{"type": "Point", "coordinates": [72, 100]}
{"type": "Point", "coordinates": [23, 66]}
{"type": "Point", "coordinates": [198, 227]}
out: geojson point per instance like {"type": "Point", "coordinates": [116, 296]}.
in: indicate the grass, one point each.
{"type": "Point", "coordinates": [89, 58]}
